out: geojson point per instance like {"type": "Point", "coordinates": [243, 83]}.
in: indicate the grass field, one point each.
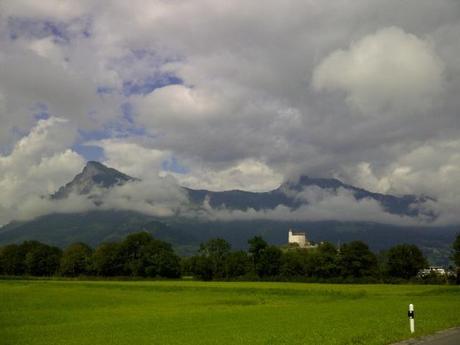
{"type": "Point", "coordinates": [188, 312]}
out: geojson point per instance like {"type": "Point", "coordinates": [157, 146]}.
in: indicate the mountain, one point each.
{"type": "Point", "coordinates": [242, 200]}
{"type": "Point", "coordinates": [401, 205]}
{"type": "Point", "coordinates": [186, 233]}
{"type": "Point", "coordinates": [94, 175]}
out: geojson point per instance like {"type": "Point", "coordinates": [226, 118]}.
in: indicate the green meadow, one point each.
{"type": "Point", "coordinates": [187, 312]}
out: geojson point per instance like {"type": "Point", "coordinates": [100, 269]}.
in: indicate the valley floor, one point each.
{"type": "Point", "coordinates": [189, 312]}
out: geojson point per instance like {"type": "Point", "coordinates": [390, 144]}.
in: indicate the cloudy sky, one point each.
{"type": "Point", "coordinates": [232, 94]}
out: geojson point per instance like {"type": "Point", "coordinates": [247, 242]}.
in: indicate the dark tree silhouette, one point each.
{"type": "Point", "coordinates": [107, 261]}
{"type": "Point", "coordinates": [76, 260]}
{"type": "Point", "coordinates": [238, 264]}
{"type": "Point", "coordinates": [356, 260]}
{"type": "Point", "coordinates": [269, 263]}
{"type": "Point", "coordinates": [404, 261]}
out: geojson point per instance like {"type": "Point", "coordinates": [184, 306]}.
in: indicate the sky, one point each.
{"type": "Point", "coordinates": [231, 95]}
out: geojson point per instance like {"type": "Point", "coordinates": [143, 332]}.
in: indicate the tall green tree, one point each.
{"type": "Point", "coordinates": [12, 260]}
{"type": "Point", "coordinates": [356, 260]}
{"type": "Point", "coordinates": [76, 260]}
{"type": "Point", "coordinates": [238, 264]}
{"type": "Point", "coordinates": [324, 261]}
{"type": "Point", "coordinates": [107, 261]}
{"type": "Point", "coordinates": [294, 263]}
{"type": "Point", "coordinates": [256, 245]}
{"type": "Point", "coordinates": [269, 262]}
{"type": "Point", "coordinates": [130, 252]}
{"type": "Point", "coordinates": [42, 260]}
{"type": "Point", "coordinates": [217, 251]}
{"type": "Point", "coordinates": [201, 267]}
{"type": "Point", "coordinates": [158, 259]}
{"type": "Point", "coordinates": [404, 261]}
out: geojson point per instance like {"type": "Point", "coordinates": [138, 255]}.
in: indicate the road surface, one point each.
{"type": "Point", "coordinates": [448, 337]}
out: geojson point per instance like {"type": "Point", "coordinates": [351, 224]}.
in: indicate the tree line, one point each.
{"type": "Point", "coordinates": [141, 255]}
{"type": "Point", "coordinates": [138, 255]}
{"type": "Point", "coordinates": [353, 261]}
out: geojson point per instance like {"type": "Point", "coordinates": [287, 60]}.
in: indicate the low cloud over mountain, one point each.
{"type": "Point", "coordinates": [99, 187]}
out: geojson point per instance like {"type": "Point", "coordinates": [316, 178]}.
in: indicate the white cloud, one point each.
{"type": "Point", "coordinates": [38, 165]}
{"type": "Point", "coordinates": [47, 138]}
{"type": "Point", "coordinates": [389, 71]}
{"type": "Point", "coordinates": [28, 79]}
{"type": "Point", "coordinates": [248, 175]}
{"type": "Point", "coordinates": [154, 196]}
{"type": "Point", "coordinates": [47, 48]}
{"type": "Point", "coordinates": [174, 106]}
{"type": "Point", "coordinates": [431, 169]}
{"type": "Point", "coordinates": [131, 158]}
{"type": "Point", "coordinates": [142, 161]}
{"type": "Point", "coordinates": [44, 9]}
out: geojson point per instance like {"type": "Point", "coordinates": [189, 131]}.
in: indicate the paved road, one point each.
{"type": "Point", "coordinates": [448, 337]}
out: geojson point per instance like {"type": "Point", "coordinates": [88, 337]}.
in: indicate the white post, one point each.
{"type": "Point", "coordinates": [411, 315]}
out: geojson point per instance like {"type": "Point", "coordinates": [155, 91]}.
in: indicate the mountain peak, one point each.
{"type": "Point", "coordinates": [94, 168]}
{"type": "Point", "coordinates": [303, 181]}
{"type": "Point", "coordinates": [94, 174]}
{"type": "Point", "coordinates": [96, 164]}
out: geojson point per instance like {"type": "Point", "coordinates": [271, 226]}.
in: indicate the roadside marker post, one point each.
{"type": "Point", "coordinates": [411, 315]}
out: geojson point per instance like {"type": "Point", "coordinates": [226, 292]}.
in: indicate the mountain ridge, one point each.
{"type": "Point", "coordinates": [400, 205]}
{"type": "Point", "coordinates": [98, 175]}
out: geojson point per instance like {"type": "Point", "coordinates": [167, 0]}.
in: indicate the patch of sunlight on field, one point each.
{"type": "Point", "coordinates": [188, 312]}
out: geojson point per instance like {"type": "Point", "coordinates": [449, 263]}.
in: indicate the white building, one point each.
{"type": "Point", "coordinates": [427, 271]}
{"type": "Point", "coordinates": [300, 239]}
